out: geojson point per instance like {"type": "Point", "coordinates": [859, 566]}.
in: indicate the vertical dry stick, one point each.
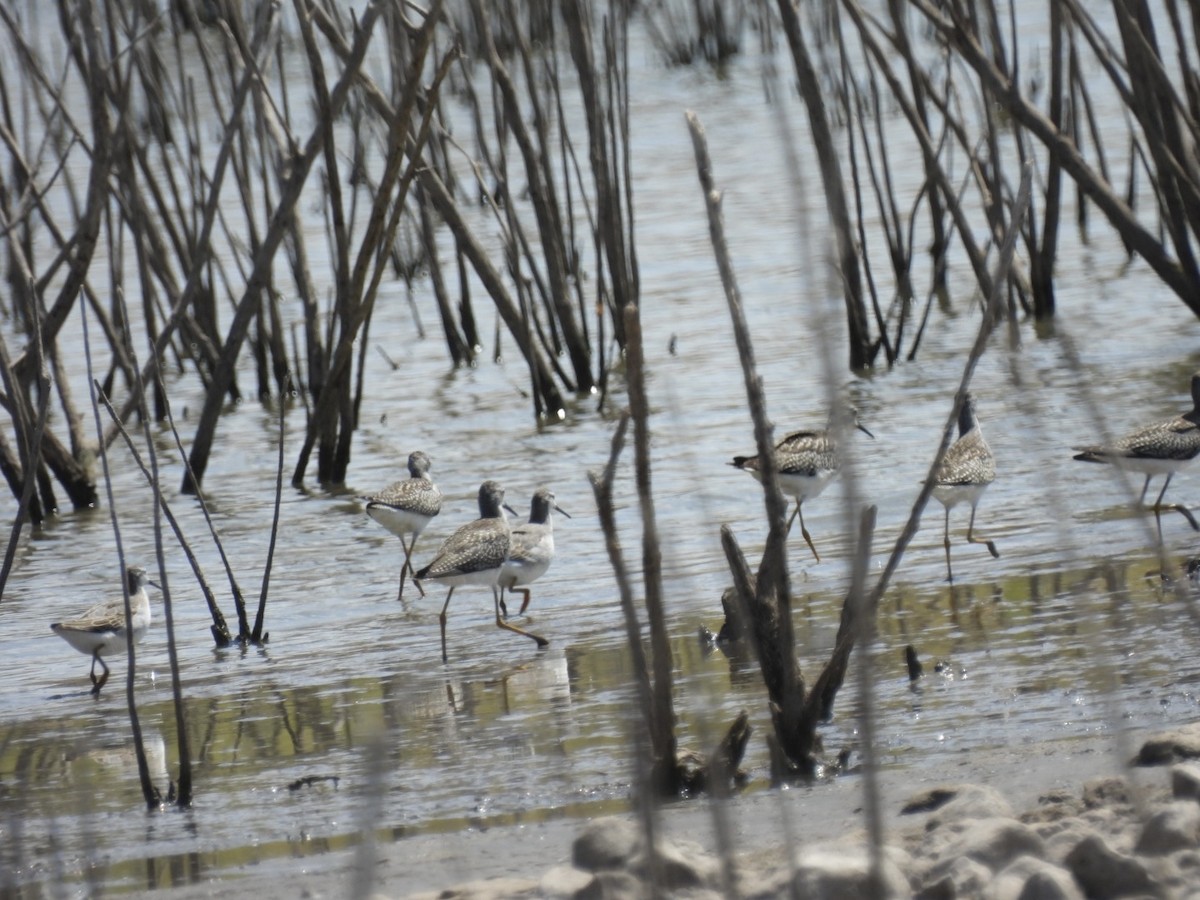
{"type": "Point", "coordinates": [766, 600]}
{"type": "Point", "coordinates": [763, 429]}
{"type": "Point", "coordinates": [220, 630]}
{"type": "Point", "coordinates": [866, 697]}
{"type": "Point", "coordinates": [30, 443]}
{"type": "Point", "coordinates": [602, 488]}
{"type": "Point", "coordinates": [831, 179]}
{"type": "Point", "coordinates": [149, 791]}
{"type": "Point", "coordinates": [257, 635]}
{"type": "Point", "coordinates": [183, 793]}
{"type": "Point", "coordinates": [152, 481]}
{"type": "Point", "coordinates": [666, 774]}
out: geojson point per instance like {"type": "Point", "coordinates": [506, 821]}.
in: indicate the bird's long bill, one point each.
{"type": "Point", "coordinates": [863, 429]}
{"type": "Point", "coordinates": [561, 510]}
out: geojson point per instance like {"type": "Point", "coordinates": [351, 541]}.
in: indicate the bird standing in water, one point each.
{"type": "Point", "coordinates": [807, 462]}
{"type": "Point", "coordinates": [531, 550]}
{"type": "Point", "coordinates": [101, 629]}
{"type": "Point", "coordinates": [966, 471]}
{"type": "Point", "coordinates": [474, 554]}
{"type": "Point", "coordinates": [1160, 448]}
{"type": "Point", "coordinates": [406, 507]}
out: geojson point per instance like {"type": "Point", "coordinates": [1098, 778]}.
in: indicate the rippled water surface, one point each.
{"type": "Point", "coordinates": [1063, 635]}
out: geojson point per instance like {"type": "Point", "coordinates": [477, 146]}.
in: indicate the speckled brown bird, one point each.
{"type": "Point", "coordinates": [474, 554]}
{"type": "Point", "coordinates": [807, 462]}
{"type": "Point", "coordinates": [966, 471]}
{"type": "Point", "coordinates": [1161, 448]}
{"type": "Point", "coordinates": [406, 507]}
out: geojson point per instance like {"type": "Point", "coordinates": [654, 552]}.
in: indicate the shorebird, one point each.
{"type": "Point", "coordinates": [807, 462]}
{"type": "Point", "coordinates": [1161, 448]}
{"type": "Point", "coordinates": [474, 554]}
{"type": "Point", "coordinates": [531, 550]}
{"type": "Point", "coordinates": [101, 630]}
{"type": "Point", "coordinates": [406, 507]}
{"type": "Point", "coordinates": [966, 471]}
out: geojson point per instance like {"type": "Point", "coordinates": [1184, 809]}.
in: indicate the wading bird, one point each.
{"type": "Point", "coordinates": [474, 554]}
{"type": "Point", "coordinates": [807, 462]}
{"type": "Point", "coordinates": [101, 630]}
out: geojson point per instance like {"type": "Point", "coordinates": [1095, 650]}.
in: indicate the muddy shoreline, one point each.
{"type": "Point", "coordinates": [763, 824]}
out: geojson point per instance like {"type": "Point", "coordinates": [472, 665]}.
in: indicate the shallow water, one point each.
{"type": "Point", "coordinates": [1062, 636]}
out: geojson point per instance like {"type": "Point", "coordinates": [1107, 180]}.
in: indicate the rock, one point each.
{"type": "Point", "coordinates": [1176, 827]}
{"type": "Point", "coordinates": [955, 803]}
{"type": "Point", "coordinates": [994, 843]}
{"type": "Point", "coordinates": [1112, 790]}
{"type": "Point", "coordinates": [1028, 878]}
{"type": "Point", "coordinates": [1064, 838]}
{"type": "Point", "coordinates": [681, 865]}
{"type": "Point", "coordinates": [1170, 747]}
{"type": "Point", "coordinates": [928, 801]}
{"type": "Point", "coordinates": [1053, 806]}
{"type": "Point", "coordinates": [754, 882]}
{"type": "Point", "coordinates": [826, 872]}
{"type": "Point", "coordinates": [1104, 873]}
{"type": "Point", "coordinates": [961, 877]}
{"type": "Point", "coordinates": [615, 886]}
{"type": "Point", "coordinates": [607, 843]}
{"type": "Point", "coordinates": [1188, 865]}
{"type": "Point", "coordinates": [564, 881]}
{"type": "Point", "coordinates": [1185, 781]}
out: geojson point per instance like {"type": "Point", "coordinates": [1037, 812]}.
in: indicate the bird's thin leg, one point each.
{"type": "Point", "coordinates": [92, 671]}
{"type": "Point", "coordinates": [971, 539]}
{"type": "Point", "coordinates": [442, 622]}
{"type": "Point", "coordinates": [946, 543]}
{"type": "Point", "coordinates": [804, 531]}
{"type": "Point", "coordinates": [788, 530]}
{"type": "Point", "coordinates": [1178, 507]}
{"type": "Point", "coordinates": [503, 607]}
{"type": "Point", "coordinates": [408, 566]}
{"type": "Point", "coordinates": [97, 685]}
{"type": "Point", "coordinates": [541, 641]}
{"type": "Point", "coordinates": [525, 603]}
{"type": "Point", "coordinates": [1146, 487]}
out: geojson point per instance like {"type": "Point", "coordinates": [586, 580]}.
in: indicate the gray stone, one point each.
{"type": "Point", "coordinates": [607, 843]}
{"type": "Point", "coordinates": [767, 883]}
{"type": "Point", "coordinates": [1185, 781]}
{"type": "Point", "coordinates": [564, 881]}
{"type": "Point", "coordinates": [1052, 807]}
{"type": "Point", "coordinates": [1175, 827]}
{"type": "Point", "coordinates": [1170, 747]}
{"type": "Point", "coordinates": [941, 889]}
{"type": "Point", "coordinates": [612, 885]}
{"type": "Point", "coordinates": [680, 865]}
{"type": "Point", "coordinates": [1104, 873]}
{"type": "Point", "coordinates": [995, 843]}
{"type": "Point", "coordinates": [1033, 879]}
{"type": "Point", "coordinates": [827, 872]}
{"type": "Point", "coordinates": [960, 877]}
{"type": "Point", "coordinates": [1111, 790]}
{"type": "Point", "coordinates": [1065, 838]}
{"type": "Point", "coordinates": [952, 803]}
